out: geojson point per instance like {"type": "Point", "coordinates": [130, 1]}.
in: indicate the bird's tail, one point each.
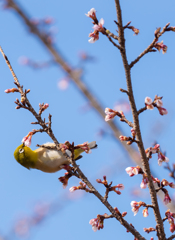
{"type": "Point", "coordinates": [78, 151]}
{"type": "Point", "coordinates": [93, 145]}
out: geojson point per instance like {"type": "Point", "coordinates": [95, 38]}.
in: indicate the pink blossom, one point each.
{"type": "Point", "coordinates": [133, 132]}
{"type": "Point", "coordinates": [134, 203]}
{"type": "Point", "coordinates": [145, 212]}
{"type": "Point", "coordinates": [122, 138]}
{"type": "Point", "coordinates": [164, 182]}
{"type": "Point", "coordinates": [97, 223]}
{"type": "Point", "coordinates": [110, 114]}
{"type": "Point", "coordinates": [159, 102]}
{"type": "Point", "coordinates": [144, 182]}
{"type": "Point", "coordinates": [156, 148]}
{"type": "Point", "coordinates": [99, 27]}
{"type": "Point", "coordinates": [27, 139]}
{"type": "Point", "coordinates": [172, 227]}
{"type": "Point", "coordinates": [148, 101]}
{"type": "Point", "coordinates": [162, 111]}
{"type": "Point", "coordinates": [94, 223]}
{"type": "Point", "coordinates": [11, 90]}
{"type": "Point", "coordinates": [64, 179]}
{"type": "Point", "coordinates": [159, 46]}
{"type": "Point", "coordinates": [72, 189]}
{"type": "Point", "coordinates": [132, 171]}
{"type": "Point", "coordinates": [162, 158]}
{"type": "Point", "coordinates": [135, 207]}
{"type": "Point", "coordinates": [172, 185]}
{"type": "Point", "coordinates": [99, 180]}
{"type": "Point", "coordinates": [150, 107]}
{"type": "Point", "coordinates": [91, 13]}
{"type": "Point", "coordinates": [120, 186]}
{"type": "Point", "coordinates": [94, 36]}
{"type": "Point", "coordinates": [167, 198]}
{"type": "Point", "coordinates": [135, 30]}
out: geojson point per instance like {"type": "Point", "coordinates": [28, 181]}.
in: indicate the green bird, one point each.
{"type": "Point", "coordinates": [46, 160]}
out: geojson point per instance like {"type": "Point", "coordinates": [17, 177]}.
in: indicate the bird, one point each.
{"type": "Point", "coordinates": [46, 160]}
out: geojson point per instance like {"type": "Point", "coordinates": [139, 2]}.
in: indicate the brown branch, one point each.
{"type": "Point", "coordinates": [141, 110]}
{"type": "Point", "coordinates": [127, 67]}
{"type": "Point", "coordinates": [124, 91]}
{"type": "Point", "coordinates": [111, 34]}
{"type": "Point", "coordinates": [172, 237]}
{"type": "Point", "coordinates": [108, 34]}
{"type": "Point", "coordinates": [77, 172]}
{"type": "Point", "coordinates": [149, 48]}
{"type": "Point", "coordinates": [123, 119]}
{"type": "Point", "coordinates": [106, 203]}
{"type": "Point", "coordinates": [75, 76]}
{"type": "Point", "coordinates": [29, 107]}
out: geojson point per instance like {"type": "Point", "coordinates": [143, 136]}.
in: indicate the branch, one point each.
{"type": "Point", "coordinates": [75, 166]}
{"type": "Point", "coordinates": [172, 237]}
{"type": "Point", "coordinates": [160, 228]}
{"type": "Point", "coordinates": [75, 76]}
{"type": "Point", "coordinates": [149, 47]}
{"type": "Point", "coordinates": [106, 203]}
{"type": "Point", "coordinates": [29, 107]}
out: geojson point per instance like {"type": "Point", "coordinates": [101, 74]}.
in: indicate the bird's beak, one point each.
{"type": "Point", "coordinates": [23, 144]}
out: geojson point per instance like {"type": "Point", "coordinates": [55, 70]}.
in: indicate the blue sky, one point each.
{"type": "Point", "coordinates": [22, 190]}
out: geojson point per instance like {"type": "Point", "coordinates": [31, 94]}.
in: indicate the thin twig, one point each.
{"type": "Point", "coordinates": [29, 106]}
{"type": "Point", "coordinates": [149, 47]}
{"type": "Point", "coordinates": [141, 110]}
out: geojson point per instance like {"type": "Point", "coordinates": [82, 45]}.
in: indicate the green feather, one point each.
{"type": "Point", "coordinates": [25, 156]}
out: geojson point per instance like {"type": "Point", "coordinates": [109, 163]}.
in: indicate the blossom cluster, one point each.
{"type": "Point", "coordinates": [128, 139]}
{"type": "Point", "coordinates": [98, 222]}
{"type": "Point", "coordinates": [156, 103]}
{"type": "Point", "coordinates": [160, 46]}
{"type": "Point", "coordinates": [64, 179]}
{"type": "Point", "coordinates": [111, 188]}
{"type": "Point", "coordinates": [82, 186]}
{"type": "Point", "coordinates": [110, 114]}
{"type": "Point", "coordinates": [170, 216]}
{"type": "Point", "coordinates": [98, 26]}
{"type": "Point", "coordinates": [136, 206]}
{"type": "Point", "coordinates": [156, 149]}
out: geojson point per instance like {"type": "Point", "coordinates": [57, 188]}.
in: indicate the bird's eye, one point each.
{"type": "Point", "coordinates": [21, 150]}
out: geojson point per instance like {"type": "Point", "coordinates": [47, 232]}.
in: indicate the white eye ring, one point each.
{"type": "Point", "coordinates": [21, 150]}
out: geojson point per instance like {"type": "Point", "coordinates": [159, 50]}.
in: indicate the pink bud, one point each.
{"type": "Point", "coordinates": [162, 111]}
{"type": "Point", "coordinates": [148, 100]}
{"type": "Point", "coordinates": [145, 212]}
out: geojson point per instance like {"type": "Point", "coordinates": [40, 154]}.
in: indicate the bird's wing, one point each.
{"type": "Point", "coordinates": [41, 150]}
{"type": "Point", "coordinates": [50, 160]}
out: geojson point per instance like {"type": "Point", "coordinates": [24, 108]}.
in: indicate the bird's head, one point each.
{"type": "Point", "coordinates": [25, 156]}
